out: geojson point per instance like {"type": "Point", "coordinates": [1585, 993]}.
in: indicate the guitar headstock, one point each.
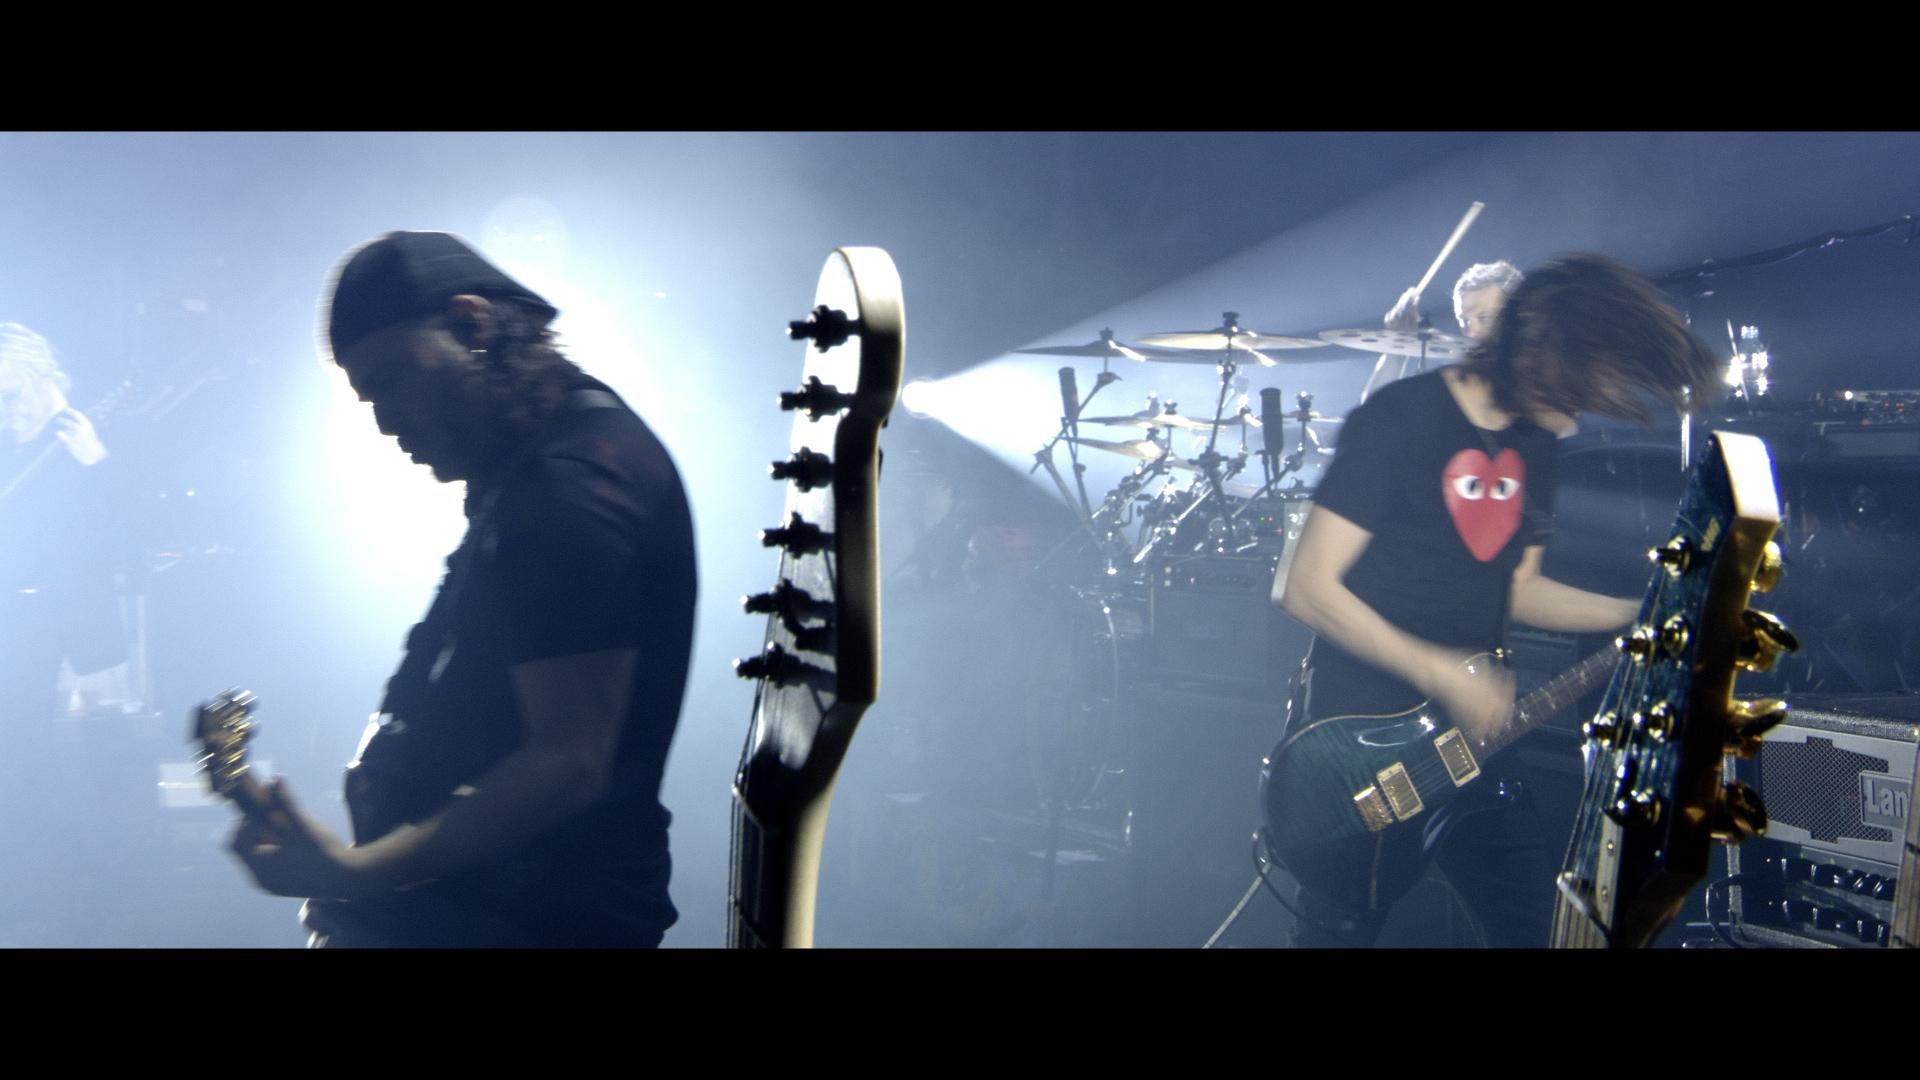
{"type": "Point", "coordinates": [819, 667]}
{"type": "Point", "coordinates": [223, 727]}
{"type": "Point", "coordinates": [1655, 800]}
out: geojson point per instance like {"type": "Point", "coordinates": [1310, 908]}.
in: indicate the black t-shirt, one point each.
{"type": "Point", "coordinates": [585, 544]}
{"type": "Point", "coordinates": [1452, 508]}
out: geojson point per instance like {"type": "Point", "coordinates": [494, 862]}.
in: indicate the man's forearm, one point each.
{"type": "Point", "coordinates": [530, 792]}
{"type": "Point", "coordinates": [1334, 612]}
{"type": "Point", "coordinates": [1549, 605]}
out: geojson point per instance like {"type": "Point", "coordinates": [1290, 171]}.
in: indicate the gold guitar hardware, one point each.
{"type": "Point", "coordinates": [1373, 809]}
{"type": "Point", "coordinates": [1401, 793]}
{"type": "Point", "coordinates": [1765, 640]}
{"type": "Point", "coordinates": [1673, 636]}
{"type": "Point", "coordinates": [1749, 721]}
{"type": "Point", "coordinates": [1738, 813]}
{"type": "Point", "coordinates": [1771, 565]}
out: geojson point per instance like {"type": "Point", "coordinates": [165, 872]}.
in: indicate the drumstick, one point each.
{"type": "Point", "coordinates": [1459, 231]}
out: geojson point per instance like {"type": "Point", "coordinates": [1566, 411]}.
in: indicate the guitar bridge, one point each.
{"type": "Point", "coordinates": [1373, 808]}
{"type": "Point", "coordinates": [1457, 756]}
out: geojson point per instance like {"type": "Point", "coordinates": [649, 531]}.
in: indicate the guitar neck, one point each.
{"type": "Point", "coordinates": [1555, 696]}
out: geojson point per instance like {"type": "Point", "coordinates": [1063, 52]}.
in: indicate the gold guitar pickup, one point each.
{"type": "Point", "coordinates": [1456, 756]}
{"type": "Point", "coordinates": [1400, 792]}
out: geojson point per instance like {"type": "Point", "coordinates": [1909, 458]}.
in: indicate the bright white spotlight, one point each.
{"type": "Point", "coordinates": [917, 397]}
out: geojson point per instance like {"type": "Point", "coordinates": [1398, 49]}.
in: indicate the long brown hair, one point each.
{"type": "Point", "coordinates": [1584, 333]}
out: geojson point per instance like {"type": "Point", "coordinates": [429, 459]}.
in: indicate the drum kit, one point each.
{"type": "Point", "coordinates": [1187, 519]}
{"type": "Point", "coordinates": [1201, 502]}
{"type": "Point", "coordinates": [1215, 496]}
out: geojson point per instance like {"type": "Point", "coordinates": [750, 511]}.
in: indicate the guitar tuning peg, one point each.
{"type": "Point", "coordinates": [797, 536]}
{"type": "Point", "coordinates": [826, 326]}
{"type": "Point", "coordinates": [816, 397]}
{"type": "Point", "coordinates": [1765, 640]}
{"type": "Point", "coordinates": [1738, 814]}
{"type": "Point", "coordinates": [1676, 555]}
{"type": "Point", "coordinates": [1636, 645]}
{"type": "Point", "coordinates": [808, 469]}
{"type": "Point", "coordinates": [778, 665]}
{"type": "Point", "coordinates": [1750, 720]}
{"type": "Point", "coordinates": [1771, 566]}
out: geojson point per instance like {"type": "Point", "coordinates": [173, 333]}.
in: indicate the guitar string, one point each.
{"type": "Point", "coordinates": [1431, 770]}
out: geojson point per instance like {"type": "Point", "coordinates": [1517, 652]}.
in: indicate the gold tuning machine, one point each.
{"type": "Point", "coordinates": [1765, 639]}
{"type": "Point", "coordinates": [1738, 814]}
{"type": "Point", "coordinates": [1750, 721]}
{"type": "Point", "coordinates": [1765, 578]}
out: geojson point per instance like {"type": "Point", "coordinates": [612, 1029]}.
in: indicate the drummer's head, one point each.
{"type": "Point", "coordinates": [1479, 295]}
{"type": "Point", "coordinates": [32, 386]}
{"type": "Point", "coordinates": [1583, 333]}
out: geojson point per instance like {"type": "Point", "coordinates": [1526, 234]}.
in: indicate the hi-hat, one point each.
{"type": "Point", "coordinates": [1139, 450]}
{"type": "Point", "coordinates": [1438, 346]}
{"type": "Point", "coordinates": [1150, 419]}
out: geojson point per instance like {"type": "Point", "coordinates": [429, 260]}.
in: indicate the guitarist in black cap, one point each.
{"type": "Point", "coordinates": [507, 793]}
{"type": "Point", "coordinates": [1426, 539]}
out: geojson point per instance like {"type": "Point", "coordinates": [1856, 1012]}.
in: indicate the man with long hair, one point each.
{"type": "Point", "coordinates": [508, 792]}
{"type": "Point", "coordinates": [1426, 537]}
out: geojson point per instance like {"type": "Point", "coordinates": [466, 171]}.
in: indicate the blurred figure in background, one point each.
{"type": "Point", "coordinates": [60, 540]}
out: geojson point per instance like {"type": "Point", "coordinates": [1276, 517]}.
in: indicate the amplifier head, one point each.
{"type": "Point", "coordinates": [1837, 777]}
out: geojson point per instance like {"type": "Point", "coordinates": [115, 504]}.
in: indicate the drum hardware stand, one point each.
{"type": "Point", "coordinates": [1070, 431]}
{"type": "Point", "coordinates": [1210, 459]}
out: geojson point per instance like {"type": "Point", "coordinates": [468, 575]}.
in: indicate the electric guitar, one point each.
{"type": "Point", "coordinates": [819, 668]}
{"type": "Point", "coordinates": [1332, 788]}
{"type": "Point", "coordinates": [1655, 799]}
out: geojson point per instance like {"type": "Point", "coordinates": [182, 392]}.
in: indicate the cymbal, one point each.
{"type": "Point", "coordinates": [1146, 419]}
{"type": "Point", "coordinates": [1138, 449]}
{"type": "Point", "coordinates": [1229, 336]}
{"type": "Point", "coordinates": [1222, 340]}
{"type": "Point", "coordinates": [1439, 346]}
{"type": "Point", "coordinates": [1104, 347]}
{"type": "Point", "coordinates": [1315, 418]}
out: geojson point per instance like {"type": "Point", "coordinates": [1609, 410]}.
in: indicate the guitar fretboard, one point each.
{"type": "Point", "coordinates": [1554, 696]}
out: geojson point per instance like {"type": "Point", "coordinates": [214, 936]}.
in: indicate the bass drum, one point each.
{"type": "Point", "coordinates": [1079, 647]}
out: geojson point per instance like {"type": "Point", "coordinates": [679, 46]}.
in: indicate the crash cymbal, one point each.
{"type": "Point", "coordinates": [1138, 449]}
{"type": "Point", "coordinates": [1104, 347]}
{"type": "Point", "coordinates": [1439, 346]}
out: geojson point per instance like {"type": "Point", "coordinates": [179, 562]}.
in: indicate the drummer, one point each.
{"type": "Point", "coordinates": [1477, 299]}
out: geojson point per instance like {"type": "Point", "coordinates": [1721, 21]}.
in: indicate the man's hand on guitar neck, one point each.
{"type": "Point", "coordinates": [291, 854]}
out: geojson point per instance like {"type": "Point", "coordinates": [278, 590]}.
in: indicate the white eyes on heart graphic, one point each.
{"type": "Point", "coordinates": [1469, 486]}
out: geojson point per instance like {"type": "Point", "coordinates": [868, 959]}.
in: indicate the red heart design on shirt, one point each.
{"type": "Point", "coordinates": [1484, 497]}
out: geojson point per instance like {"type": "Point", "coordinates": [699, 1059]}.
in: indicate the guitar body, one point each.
{"type": "Point", "coordinates": [1325, 790]}
{"type": "Point", "coordinates": [1340, 792]}
{"type": "Point", "coordinates": [819, 667]}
